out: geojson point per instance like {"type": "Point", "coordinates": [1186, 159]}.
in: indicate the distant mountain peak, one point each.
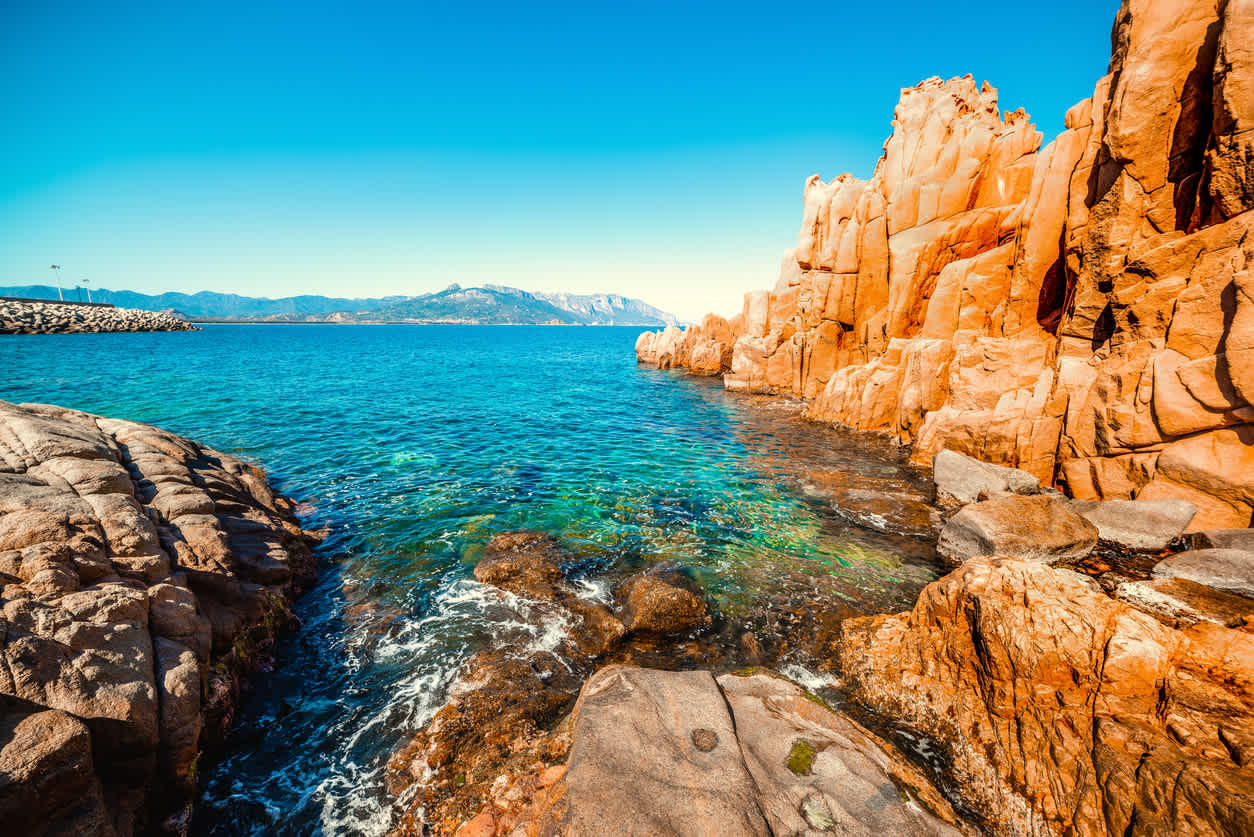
{"type": "Point", "coordinates": [486, 304]}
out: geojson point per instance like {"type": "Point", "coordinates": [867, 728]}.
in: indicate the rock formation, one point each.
{"type": "Point", "coordinates": [1060, 710]}
{"type": "Point", "coordinates": [657, 752]}
{"type": "Point", "coordinates": [141, 576]}
{"type": "Point", "coordinates": [33, 317]}
{"type": "Point", "coordinates": [1083, 310]}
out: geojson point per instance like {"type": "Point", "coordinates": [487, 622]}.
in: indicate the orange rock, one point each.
{"type": "Point", "coordinates": [1070, 310]}
{"type": "Point", "coordinates": [1062, 711]}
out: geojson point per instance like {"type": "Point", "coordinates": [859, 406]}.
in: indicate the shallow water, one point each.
{"type": "Point", "coordinates": [413, 445]}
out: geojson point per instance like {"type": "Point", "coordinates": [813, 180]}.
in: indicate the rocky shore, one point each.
{"type": "Point", "coordinates": [1083, 310]}
{"type": "Point", "coordinates": [142, 577]}
{"type": "Point", "coordinates": [28, 317]}
{"type": "Point", "coordinates": [1031, 691]}
{"type": "Point", "coordinates": [1064, 335]}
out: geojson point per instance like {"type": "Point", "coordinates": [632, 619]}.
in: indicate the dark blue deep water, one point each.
{"type": "Point", "coordinates": [411, 446]}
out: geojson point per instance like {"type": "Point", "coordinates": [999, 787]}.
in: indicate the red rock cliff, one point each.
{"type": "Point", "coordinates": [1082, 310]}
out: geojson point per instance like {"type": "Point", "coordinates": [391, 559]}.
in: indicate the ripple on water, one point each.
{"type": "Point", "coordinates": [412, 446]}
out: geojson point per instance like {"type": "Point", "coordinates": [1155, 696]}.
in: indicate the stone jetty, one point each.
{"type": "Point", "coordinates": [36, 317]}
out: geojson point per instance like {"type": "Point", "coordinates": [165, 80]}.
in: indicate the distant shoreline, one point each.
{"type": "Point", "coordinates": [200, 321]}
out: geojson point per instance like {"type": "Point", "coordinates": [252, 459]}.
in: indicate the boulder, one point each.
{"type": "Point", "coordinates": [1059, 710]}
{"type": "Point", "coordinates": [525, 563]}
{"type": "Point", "coordinates": [1179, 603]}
{"type": "Point", "coordinates": [48, 783]}
{"type": "Point", "coordinates": [1042, 528]}
{"type": "Point", "coordinates": [1222, 569]}
{"type": "Point", "coordinates": [662, 601]}
{"type": "Point", "coordinates": [816, 770]}
{"type": "Point", "coordinates": [1224, 539]}
{"type": "Point", "coordinates": [655, 753]}
{"type": "Point", "coordinates": [658, 752]}
{"type": "Point", "coordinates": [1137, 524]}
{"type": "Point", "coordinates": [965, 480]}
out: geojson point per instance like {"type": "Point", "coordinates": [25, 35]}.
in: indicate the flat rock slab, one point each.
{"type": "Point", "coordinates": [1179, 603]}
{"type": "Point", "coordinates": [1137, 524]}
{"type": "Point", "coordinates": [1222, 569]}
{"type": "Point", "coordinates": [1039, 527]}
{"type": "Point", "coordinates": [679, 753]}
{"type": "Point", "coordinates": [655, 753]}
{"type": "Point", "coordinates": [967, 480]}
{"type": "Point", "coordinates": [1224, 539]}
{"type": "Point", "coordinates": [851, 784]}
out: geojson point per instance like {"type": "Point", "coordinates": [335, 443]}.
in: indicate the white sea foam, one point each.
{"type": "Point", "coordinates": [593, 589]}
{"type": "Point", "coordinates": [352, 796]}
{"type": "Point", "coordinates": [811, 680]}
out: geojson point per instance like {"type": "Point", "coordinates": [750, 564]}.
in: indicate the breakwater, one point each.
{"type": "Point", "coordinates": [25, 316]}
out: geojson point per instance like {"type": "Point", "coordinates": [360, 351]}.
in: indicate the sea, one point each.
{"type": "Point", "coordinates": [410, 446]}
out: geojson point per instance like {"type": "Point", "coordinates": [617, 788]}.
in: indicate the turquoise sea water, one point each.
{"type": "Point", "coordinates": [413, 445]}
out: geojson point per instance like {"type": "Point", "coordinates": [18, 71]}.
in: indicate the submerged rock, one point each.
{"type": "Point", "coordinates": [1060, 710]}
{"type": "Point", "coordinates": [662, 601]}
{"type": "Point", "coordinates": [143, 575]}
{"type": "Point", "coordinates": [529, 564]}
{"type": "Point", "coordinates": [526, 563]}
{"type": "Point", "coordinates": [1041, 527]}
{"type": "Point", "coordinates": [964, 479]}
{"type": "Point", "coordinates": [1137, 524]}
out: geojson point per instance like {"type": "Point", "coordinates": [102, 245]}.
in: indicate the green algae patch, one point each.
{"type": "Point", "coordinates": [801, 758]}
{"type": "Point", "coordinates": [813, 698]}
{"type": "Point", "coordinates": [748, 671]}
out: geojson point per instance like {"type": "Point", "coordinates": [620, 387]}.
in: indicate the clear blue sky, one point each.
{"type": "Point", "coordinates": [360, 149]}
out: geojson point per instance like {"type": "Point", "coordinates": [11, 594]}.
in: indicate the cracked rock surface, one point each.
{"type": "Point", "coordinates": [1060, 710]}
{"type": "Point", "coordinates": [141, 576]}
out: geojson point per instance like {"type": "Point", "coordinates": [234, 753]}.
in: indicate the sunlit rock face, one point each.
{"type": "Point", "coordinates": [1082, 310]}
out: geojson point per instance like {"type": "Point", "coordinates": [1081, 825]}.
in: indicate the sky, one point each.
{"type": "Point", "coordinates": [653, 149]}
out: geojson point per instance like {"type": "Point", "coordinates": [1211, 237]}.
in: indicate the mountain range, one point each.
{"type": "Point", "coordinates": [489, 304]}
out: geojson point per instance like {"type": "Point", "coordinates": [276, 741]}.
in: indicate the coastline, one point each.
{"type": "Point", "coordinates": [1082, 310]}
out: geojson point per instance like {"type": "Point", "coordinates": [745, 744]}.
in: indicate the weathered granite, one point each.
{"type": "Point", "coordinates": [684, 753]}
{"type": "Point", "coordinates": [1059, 710]}
{"type": "Point", "coordinates": [1137, 524]}
{"type": "Point", "coordinates": [1039, 527]}
{"type": "Point", "coordinates": [1082, 310]}
{"type": "Point", "coordinates": [141, 576]}
{"type": "Point", "coordinates": [1222, 569]}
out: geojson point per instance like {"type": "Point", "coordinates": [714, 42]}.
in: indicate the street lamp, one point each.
{"type": "Point", "coordinates": [85, 285]}
{"type": "Point", "coordinates": [57, 268]}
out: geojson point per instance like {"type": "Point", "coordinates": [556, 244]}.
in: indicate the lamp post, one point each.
{"type": "Point", "coordinates": [57, 268]}
{"type": "Point", "coordinates": [86, 285]}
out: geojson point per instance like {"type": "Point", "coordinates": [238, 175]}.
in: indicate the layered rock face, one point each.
{"type": "Point", "coordinates": [1060, 710]}
{"type": "Point", "coordinates": [28, 317]}
{"type": "Point", "coordinates": [1083, 310]}
{"type": "Point", "coordinates": [141, 575]}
